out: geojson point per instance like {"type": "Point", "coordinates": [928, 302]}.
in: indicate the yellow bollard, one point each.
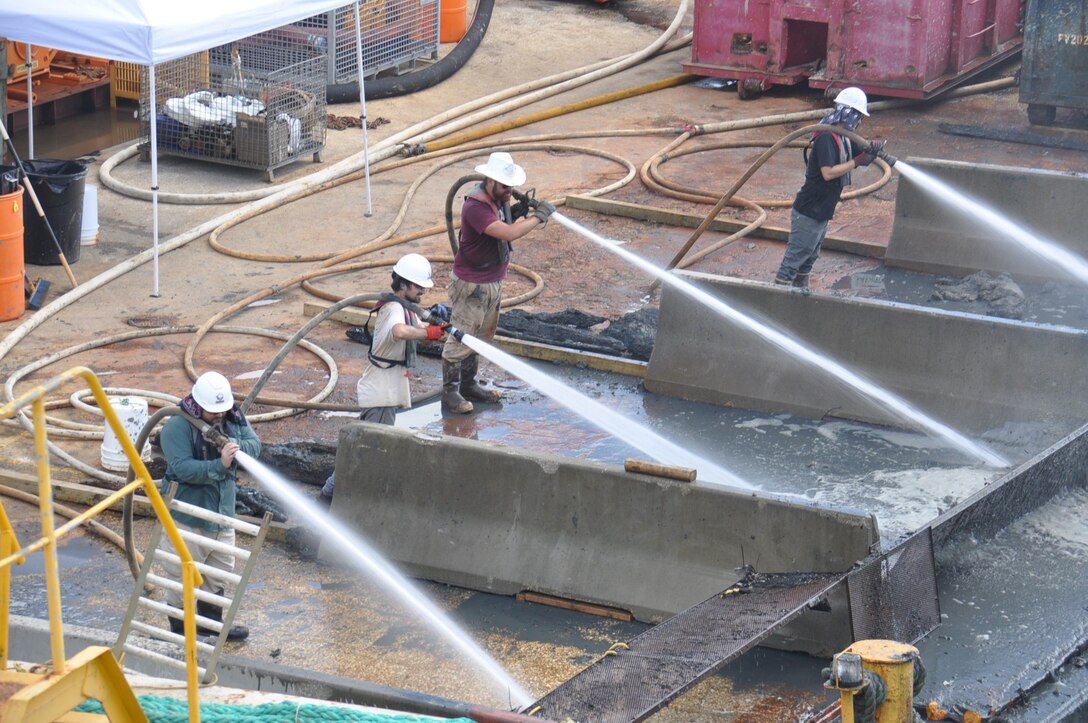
{"type": "Point", "coordinates": [894, 662]}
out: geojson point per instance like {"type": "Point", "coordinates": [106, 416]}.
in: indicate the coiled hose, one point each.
{"type": "Point", "coordinates": [395, 85]}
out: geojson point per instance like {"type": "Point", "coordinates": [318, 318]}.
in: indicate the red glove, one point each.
{"type": "Point", "coordinates": [863, 159]}
{"type": "Point", "coordinates": [435, 331]}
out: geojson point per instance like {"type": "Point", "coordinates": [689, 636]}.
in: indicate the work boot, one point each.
{"type": "Point", "coordinates": [801, 281]}
{"type": "Point", "coordinates": [470, 389]}
{"type": "Point", "coordinates": [452, 401]}
{"type": "Point", "coordinates": [778, 280]}
{"type": "Point", "coordinates": [177, 626]}
{"type": "Point", "coordinates": [214, 612]}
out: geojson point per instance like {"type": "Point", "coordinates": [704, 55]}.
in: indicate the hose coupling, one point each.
{"type": "Point", "coordinates": [214, 436]}
{"type": "Point", "coordinates": [877, 147]}
{"type": "Point", "coordinates": [410, 150]}
{"type": "Point", "coordinates": [690, 128]}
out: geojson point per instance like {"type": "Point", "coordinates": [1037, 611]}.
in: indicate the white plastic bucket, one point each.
{"type": "Point", "coordinates": [88, 233]}
{"type": "Point", "coordinates": [133, 414]}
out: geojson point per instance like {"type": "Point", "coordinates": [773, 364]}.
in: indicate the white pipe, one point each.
{"type": "Point", "coordinates": [362, 103]}
{"type": "Point", "coordinates": [154, 179]}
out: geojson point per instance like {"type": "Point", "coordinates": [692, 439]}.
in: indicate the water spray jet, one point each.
{"type": "Point", "coordinates": [368, 559]}
{"type": "Point", "coordinates": [852, 379]}
{"type": "Point", "coordinates": [604, 418]}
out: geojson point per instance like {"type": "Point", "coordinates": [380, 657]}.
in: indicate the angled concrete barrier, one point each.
{"type": "Point", "coordinates": [930, 236]}
{"type": "Point", "coordinates": [502, 520]}
{"type": "Point", "coordinates": [972, 372]}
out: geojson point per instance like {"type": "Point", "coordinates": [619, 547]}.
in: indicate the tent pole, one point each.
{"type": "Point", "coordinates": [154, 178]}
{"type": "Point", "coordinates": [29, 103]}
{"type": "Point", "coordinates": [362, 102]}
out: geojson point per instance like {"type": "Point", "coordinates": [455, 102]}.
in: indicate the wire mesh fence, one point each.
{"type": "Point", "coordinates": [258, 102]}
{"type": "Point", "coordinates": [395, 33]}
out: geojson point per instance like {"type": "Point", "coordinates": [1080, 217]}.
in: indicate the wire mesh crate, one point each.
{"type": "Point", "coordinates": [257, 103]}
{"type": "Point", "coordinates": [395, 34]}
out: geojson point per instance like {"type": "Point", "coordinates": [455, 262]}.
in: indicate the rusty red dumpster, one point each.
{"type": "Point", "coordinates": [903, 48]}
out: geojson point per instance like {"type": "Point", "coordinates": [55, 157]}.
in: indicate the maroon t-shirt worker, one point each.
{"type": "Point", "coordinates": [480, 258]}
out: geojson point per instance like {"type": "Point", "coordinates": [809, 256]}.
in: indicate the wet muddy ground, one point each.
{"type": "Point", "coordinates": [324, 618]}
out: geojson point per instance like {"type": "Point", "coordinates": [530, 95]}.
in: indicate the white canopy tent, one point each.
{"type": "Point", "coordinates": [147, 32]}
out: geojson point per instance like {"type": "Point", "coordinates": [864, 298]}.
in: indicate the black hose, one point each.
{"type": "Point", "coordinates": [450, 195]}
{"type": "Point", "coordinates": [395, 85]}
{"type": "Point", "coordinates": [451, 232]}
{"type": "Point", "coordinates": [127, 506]}
{"type": "Point", "coordinates": [306, 328]}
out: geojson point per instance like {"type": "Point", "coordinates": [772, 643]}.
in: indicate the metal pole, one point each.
{"type": "Point", "coordinates": [362, 102]}
{"type": "Point", "coordinates": [154, 178]}
{"type": "Point", "coordinates": [29, 104]}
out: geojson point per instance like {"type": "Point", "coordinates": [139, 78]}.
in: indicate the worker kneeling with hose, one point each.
{"type": "Point", "coordinates": [479, 267]}
{"type": "Point", "coordinates": [206, 473]}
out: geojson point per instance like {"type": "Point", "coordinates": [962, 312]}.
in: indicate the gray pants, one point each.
{"type": "Point", "coordinates": [377, 415]}
{"type": "Point", "coordinates": [201, 553]}
{"type": "Point", "coordinates": [806, 236]}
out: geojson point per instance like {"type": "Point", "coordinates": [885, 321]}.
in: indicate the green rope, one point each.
{"type": "Point", "coordinates": [172, 710]}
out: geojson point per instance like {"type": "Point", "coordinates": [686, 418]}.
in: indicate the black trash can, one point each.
{"type": "Point", "coordinates": [59, 186]}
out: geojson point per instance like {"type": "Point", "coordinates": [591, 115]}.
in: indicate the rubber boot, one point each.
{"type": "Point", "coordinates": [801, 281]}
{"type": "Point", "coordinates": [470, 389]}
{"type": "Point", "coordinates": [214, 612]}
{"type": "Point", "coordinates": [452, 401]}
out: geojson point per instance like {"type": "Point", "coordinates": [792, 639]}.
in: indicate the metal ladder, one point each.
{"type": "Point", "coordinates": [207, 653]}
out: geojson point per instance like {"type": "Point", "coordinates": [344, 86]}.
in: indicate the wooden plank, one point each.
{"type": "Point", "coordinates": [654, 214]}
{"type": "Point", "coordinates": [557, 602]}
{"type": "Point", "coordinates": [527, 349]}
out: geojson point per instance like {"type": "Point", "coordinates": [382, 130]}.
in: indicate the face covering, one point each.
{"type": "Point", "coordinates": [844, 116]}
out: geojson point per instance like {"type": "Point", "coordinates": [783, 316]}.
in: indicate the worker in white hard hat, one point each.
{"type": "Point", "coordinates": [828, 165]}
{"type": "Point", "coordinates": [479, 267]}
{"type": "Point", "coordinates": [206, 473]}
{"type": "Point", "coordinates": [383, 387]}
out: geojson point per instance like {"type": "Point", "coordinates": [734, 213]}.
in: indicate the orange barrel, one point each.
{"type": "Point", "coordinates": [453, 20]}
{"type": "Point", "coordinates": [12, 290]}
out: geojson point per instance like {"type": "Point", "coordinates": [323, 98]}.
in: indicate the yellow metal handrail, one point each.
{"type": "Point", "coordinates": [11, 552]}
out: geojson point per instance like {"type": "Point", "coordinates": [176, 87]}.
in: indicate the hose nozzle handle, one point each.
{"type": "Point", "coordinates": [214, 436]}
{"type": "Point", "coordinates": [876, 147]}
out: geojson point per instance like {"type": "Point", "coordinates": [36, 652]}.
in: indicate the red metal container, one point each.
{"type": "Point", "coordinates": [904, 48]}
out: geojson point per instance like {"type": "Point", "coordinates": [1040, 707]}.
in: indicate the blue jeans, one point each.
{"type": "Point", "coordinates": [378, 415]}
{"type": "Point", "coordinates": [806, 236]}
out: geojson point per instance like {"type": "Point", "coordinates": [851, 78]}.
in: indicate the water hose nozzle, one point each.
{"type": "Point", "coordinates": [888, 158]}
{"type": "Point", "coordinates": [214, 436]}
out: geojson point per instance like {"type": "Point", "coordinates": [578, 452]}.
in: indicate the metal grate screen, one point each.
{"type": "Point", "coordinates": [258, 102]}
{"type": "Point", "coordinates": [895, 596]}
{"type": "Point", "coordinates": [395, 33]}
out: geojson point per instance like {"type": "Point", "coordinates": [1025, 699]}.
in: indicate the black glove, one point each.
{"type": "Point", "coordinates": [526, 203]}
{"type": "Point", "coordinates": [440, 312]}
{"type": "Point", "coordinates": [544, 209]}
{"type": "Point", "coordinates": [863, 159]}
{"type": "Point", "coordinates": [455, 333]}
{"type": "Point", "coordinates": [876, 147]}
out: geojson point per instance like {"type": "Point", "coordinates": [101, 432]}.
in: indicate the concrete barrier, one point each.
{"type": "Point", "coordinates": [503, 520]}
{"type": "Point", "coordinates": [973, 372]}
{"type": "Point", "coordinates": [929, 235]}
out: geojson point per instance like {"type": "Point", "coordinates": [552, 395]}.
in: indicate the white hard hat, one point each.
{"type": "Point", "coordinates": [500, 167]}
{"type": "Point", "coordinates": [212, 392]}
{"type": "Point", "coordinates": [853, 98]}
{"type": "Point", "coordinates": [414, 268]}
